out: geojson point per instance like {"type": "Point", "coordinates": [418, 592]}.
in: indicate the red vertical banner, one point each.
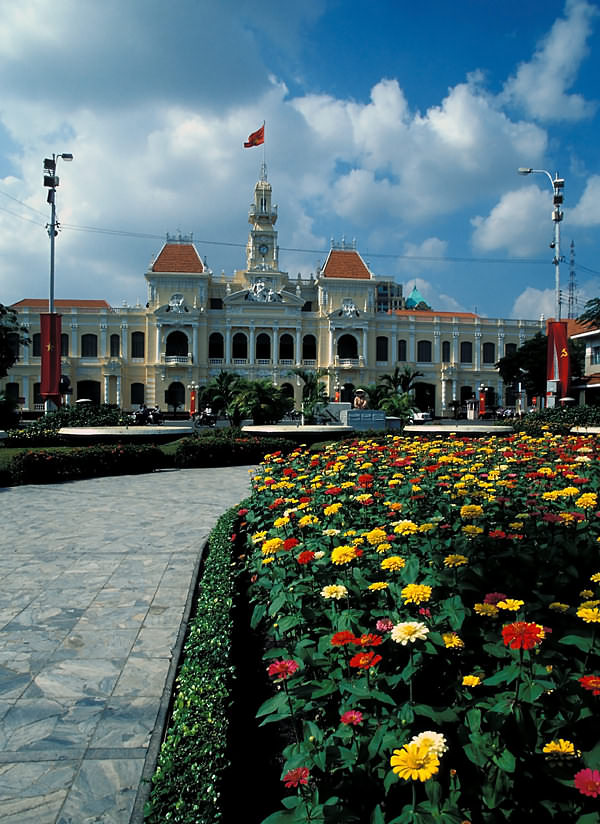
{"type": "Point", "coordinates": [482, 401]}
{"type": "Point", "coordinates": [50, 328]}
{"type": "Point", "coordinates": [558, 362]}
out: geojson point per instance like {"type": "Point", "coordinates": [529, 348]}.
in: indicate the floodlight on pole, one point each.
{"type": "Point", "coordinates": [557, 184]}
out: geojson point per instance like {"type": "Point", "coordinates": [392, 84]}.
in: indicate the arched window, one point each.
{"type": "Point", "coordinates": [36, 345]}
{"type": "Point", "coordinates": [175, 395]}
{"type": "Point", "coordinates": [12, 340]}
{"type": "Point", "coordinates": [309, 348]}
{"type": "Point", "coordinates": [381, 349]}
{"type": "Point", "coordinates": [239, 346]}
{"type": "Point", "coordinates": [89, 390]}
{"type": "Point", "coordinates": [286, 347]}
{"type": "Point", "coordinates": [177, 344]}
{"type": "Point", "coordinates": [510, 348]}
{"type": "Point", "coordinates": [287, 390]}
{"type": "Point", "coordinates": [466, 352]}
{"type": "Point", "coordinates": [37, 397]}
{"type": "Point", "coordinates": [137, 394]}
{"type": "Point", "coordinates": [89, 348]}
{"type": "Point", "coordinates": [347, 347]}
{"type": "Point", "coordinates": [115, 346]}
{"type": "Point", "coordinates": [263, 347]}
{"type": "Point", "coordinates": [64, 345]}
{"type": "Point", "coordinates": [424, 351]}
{"type": "Point", "coordinates": [446, 351]}
{"type": "Point", "coordinates": [401, 350]}
{"type": "Point", "coordinates": [216, 346]}
{"type": "Point", "coordinates": [137, 345]}
{"type": "Point", "coordinates": [488, 353]}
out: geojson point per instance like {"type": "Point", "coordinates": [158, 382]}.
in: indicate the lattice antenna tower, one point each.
{"type": "Point", "coordinates": [572, 282]}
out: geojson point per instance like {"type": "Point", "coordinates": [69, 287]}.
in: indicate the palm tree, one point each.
{"type": "Point", "coordinates": [392, 382]}
{"type": "Point", "coordinates": [262, 402]}
{"type": "Point", "coordinates": [398, 406]}
{"type": "Point", "coordinates": [408, 378]}
{"type": "Point", "coordinates": [314, 392]}
{"type": "Point", "coordinates": [376, 393]}
{"type": "Point", "coordinates": [223, 390]}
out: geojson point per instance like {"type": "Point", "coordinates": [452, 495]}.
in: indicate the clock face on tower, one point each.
{"type": "Point", "coordinates": [263, 249]}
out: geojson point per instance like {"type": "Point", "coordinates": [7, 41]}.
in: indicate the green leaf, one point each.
{"type": "Point", "coordinates": [377, 816]}
{"type": "Point", "coordinates": [504, 676]}
{"type": "Point", "coordinates": [276, 604]}
{"type": "Point", "coordinates": [576, 641]}
{"type": "Point", "coordinates": [274, 704]}
{"type": "Point", "coordinates": [257, 615]}
{"type": "Point", "coordinates": [279, 818]}
{"type": "Point", "coordinates": [506, 761]}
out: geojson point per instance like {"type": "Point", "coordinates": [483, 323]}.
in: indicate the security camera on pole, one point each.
{"type": "Point", "coordinates": [50, 326]}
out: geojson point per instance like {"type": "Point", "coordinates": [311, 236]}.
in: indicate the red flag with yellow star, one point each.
{"type": "Point", "coordinates": [50, 328]}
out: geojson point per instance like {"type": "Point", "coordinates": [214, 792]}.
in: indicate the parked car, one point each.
{"type": "Point", "coordinates": [421, 417]}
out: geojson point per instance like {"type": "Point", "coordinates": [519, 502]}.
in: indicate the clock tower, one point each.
{"type": "Point", "coordinates": [262, 252]}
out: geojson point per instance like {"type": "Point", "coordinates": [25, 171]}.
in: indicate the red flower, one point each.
{"type": "Point", "coordinates": [295, 777]}
{"type": "Point", "coordinates": [365, 480]}
{"type": "Point", "coordinates": [364, 660]}
{"type": "Point", "coordinates": [497, 533]}
{"type": "Point", "coordinates": [233, 538]}
{"type": "Point", "coordinates": [588, 782]}
{"type": "Point", "coordinates": [289, 472]}
{"type": "Point", "coordinates": [494, 597]}
{"type": "Point", "coordinates": [522, 635]}
{"type": "Point", "coordinates": [280, 670]}
{"type": "Point", "coordinates": [591, 682]}
{"type": "Point", "coordinates": [305, 557]}
{"type": "Point", "coordinates": [340, 639]}
{"type": "Point", "coordinates": [333, 490]}
{"type": "Point", "coordinates": [368, 640]}
{"type": "Point", "coordinates": [304, 500]}
{"type": "Point", "coordinates": [352, 717]}
{"type": "Point", "coordinates": [242, 512]}
{"type": "Point", "coordinates": [290, 543]}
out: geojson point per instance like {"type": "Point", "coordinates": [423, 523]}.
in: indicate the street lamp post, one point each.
{"type": "Point", "coordinates": [50, 321]}
{"type": "Point", "coordinates": [557, 184]}
{"type": "Point", "coordinates": [193, 388]}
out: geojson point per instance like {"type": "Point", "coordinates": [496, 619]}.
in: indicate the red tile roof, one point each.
{"type": "Point", "coordinates": [178, 257]}
{"type": "Point", "coordinates": [343, 263]}
{"type": "Point", "coordinates": [41, 304]}
{"type": "Point", "coordinates": [573, 326]}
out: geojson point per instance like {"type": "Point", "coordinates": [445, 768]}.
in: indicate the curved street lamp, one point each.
{"type": "Point", "coordinates": [557, 184]}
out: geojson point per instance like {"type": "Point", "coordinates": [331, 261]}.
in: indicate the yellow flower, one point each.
{"type": "Point", "coordinates": [511, 604]}
{"type": "Point", "coordinates": [595, 577]}
{"type": "Point", "coordinates": [281, 521]}
{"type": "Point", "coordinates": [332, 508]}
{"type": "Point", "coordinates": [556, 606]}
{"type": "Point", "coordinates": [259, 536]}
{"type": "Point", "coordinates": [393, 563]}
{"type": "Point", "coordinates": [568, 492]}
{"type": "Point", "coordinates": [588, 604]}
{"type": "Point", "coordinates": [469, 511]}
{"type": "Point", "coordinates": [590, 616]}
{"type": "Point", "coordinates": [471, 529]}
{"type": "Point", "coordinates": [376, 536]}
{"type": "Point", "coordinates": [405, 528]}
{"type": "Point", "coordinates": [455, 560]}
{"type": "Point", "coordinates": [587, 593]}
{"type": "Point", "coordinates": [383, 548]}
{"type": "Point", "coordinates": [426, 527]}
{"type": "Point", "coordinates": [331, 532]}
{"type": "Point", "coordinates": [489, 610]}
{"type": "Point", "coordinates": [308, 520]}
{"type": "Point", "coordinates": [589, 500]}
{"type": "Point", "coordinates": [335, 591]}
{"type": "Point", "coordinates": [561, 748]}
{"type": "Point", "coordinates": [416, 593]}
{"type": "Point", "coordinates": [471, 681]}
{"type": "Point", "coordinates": [272, 546]}
{"type": "Point", "coordinates": [268, 560]}
{"type": "Point", "coordinates": [378, 585]}
{"type": "Point", "coordinates": [452, 641]}
{"type": "Point", "coordinates": [343, 555]}
{"type": "Point", "coordinates": [415, 762]}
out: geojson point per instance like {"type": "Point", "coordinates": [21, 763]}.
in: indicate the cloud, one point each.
{"type": "Point", "coordinates": [518, 224]}
{"type": "Point", "coordinates": [540, 86]}
{"type": "Point", "coordinates": [587, 211]}
{"type": "Point", "coordinates": [533, 303]}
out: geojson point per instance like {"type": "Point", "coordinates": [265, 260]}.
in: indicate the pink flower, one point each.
{"type": "Point", "coordinates": [384, 625]}
{"type": "Point", "coordinates": [353, 717]}
{"type": "Point", "coordinates": [280, 670]}
{"type": "Point", "coordinates": [588, 782]}
{"type": "Point", "coordinates": [295, 777]}
{"type": "Point", "coordinates": [494, 597]}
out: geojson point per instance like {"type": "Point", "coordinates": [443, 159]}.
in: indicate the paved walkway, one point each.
{"type": "Point", "coordinates": [96, 578]}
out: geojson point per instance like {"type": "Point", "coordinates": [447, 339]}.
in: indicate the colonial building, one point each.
{"type": "Point", "coordinates": [262, 323]}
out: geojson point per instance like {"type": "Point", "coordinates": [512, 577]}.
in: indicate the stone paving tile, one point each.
{"type": "Point", "coordinates": [89, 618]}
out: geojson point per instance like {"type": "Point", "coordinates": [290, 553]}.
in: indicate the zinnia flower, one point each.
{"type": "Point", "coordinates": [494, 597]}
{"type": "Point", "coordinates": [434, 740]}
{"type": "Point", "coordinates": [343, 555]}
{"type": "Point", "coordinates": [376, 585]}
{"type": "Point", "coordinates": [406, 528]}
{"type": "Point", "coordinates": [556, 606]}
{"type": "Point", "coordinates": [272, 546]}
{"type": "Point", "coordinates": [364, 660]}
{"type": "Point", "coordinates": [455, 560]}
{"type": "Point", "coordinates": [415, 593]}
{"type": "Point", "coordinates": [282, 669]}
{"type": "Point", "coordinates": [393, 563]}
{"type": "Point", "coordinates": [336, 591]}
{"type": "Point", "coordinates": [512, 604]}
{"type": "Point", "coordinates": [561, 749]}
{"type": "Point", "coordinates": [332, 509]}
{"type": "Point", "coordinates": [522, 635]}
{"type": "Point", "coordinates": [588, 782]}
{"type": "Point", "coordinates": [591, 682]}
{"type": "Point", "coordinates": [340, 639]}
{"type": "Point", "coordinates": [409, 632]}
{"type": "Point", "coordinates": [470, 511]}
{"type": "Point", "coordinates": [376, 536]}
{"type": "Point", "coordinates": [295, 777]}
{"type": "Point", "coordinates": [306, 557]}
{"type": "Point", "coordinates": [471, 681]}
{"type": "Point", "coordinates": [384, 625]}
{"type": "Point", "coordinates": [489, 610]}
{"type": "Point", "coordinates": [589, 500]}
{"type": "Point", "coordinates": [590, 616]}
{"type": "Point", "coordinates": [471, 529]}
{"type": "Point", "coordinates": [452, 640]}
{"type": "Point", "coordinates": [414, 762]}
{"type": "Point", "coordinates": [352, 718]}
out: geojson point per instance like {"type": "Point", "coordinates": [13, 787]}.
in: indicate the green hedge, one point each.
{"type": "Point", "coordinates": [53, 465]}
{"type": "Point", "coordinates": [232, 448]}
{"type": "Point", "coordinates": [193, 757]}
{"type": "Point", "coordinates": [557, 420]}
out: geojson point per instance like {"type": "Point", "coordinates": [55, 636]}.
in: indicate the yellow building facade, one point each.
{"type": "Point", "coordinates": [261, 323]}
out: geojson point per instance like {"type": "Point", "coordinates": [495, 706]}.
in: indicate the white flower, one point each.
{"type": "Point", "coordinates": [409, 631]}
{"type": "Point", "coordinates": [435, 741]}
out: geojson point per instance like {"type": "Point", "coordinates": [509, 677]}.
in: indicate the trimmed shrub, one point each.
{"type": "Point", "coordinates": [230, 449]}
{"type": "Point", "coordinates": [559, 421]}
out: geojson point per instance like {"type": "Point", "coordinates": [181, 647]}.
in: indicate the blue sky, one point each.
{"type": "Point", "coordinates": [398, 124]}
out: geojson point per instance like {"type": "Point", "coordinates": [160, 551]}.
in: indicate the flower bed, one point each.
{"type": "Point", "coordinates": [430, 611]}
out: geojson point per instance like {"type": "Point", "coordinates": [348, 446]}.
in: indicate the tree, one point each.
{"type": "Point", "coordinates": [12, 335]}
{"type": "Point", "coordinates": [222, 391]}
{"type": "Point", "coordinates": [314, 391]}
{"type": "Point", "coordinates": [528, 364]}
{"type": "Point", "coordinates": [262, 402]}
{"type": "Point", "coordinates": [591, 314]}
{"type": "Point", "coordinates": [398, 406]}
{"type": "Point", "coordinates": [376, 393]}
{"type": "Point", "coordinates": [401, 380]}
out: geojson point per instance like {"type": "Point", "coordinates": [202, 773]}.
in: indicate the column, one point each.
{"type": "Point", "coordinates": [124, 341]}
{"type": "Point", "coordinates": [103, 353]}
{"type": "Point", "coordinates": [158, 341]}
{"type": "Point", "coordinates": [118, 399]}
{"type": "Point", "coordinates": [251, 345]}
{"type": "Point", "coordinates": [275, 344]}
{"type": "Point", "coordinates": [228, 346]}
{"type": "Point", "coordinates": [443, 394]}
{"type": "Point", "coordinates": [477, 352]}
{"type": "Point", "coordinates": [106, 389]}
{"type": "Point", "coordinates": [331, 348]}
{"type": "Point", "coordinates": [74, 353]}
{"type": "Point", "coordinates": [436, 346]}
{"type": "Point", "coordinates": [455, 336]}
{"type": "Point", "coordinates": [453, 389]}
{"type": "Point", "coordinates": [365, 345]}
{"type": "Point", "coordinates": [412, 355]}
{"type": "Point", "coordinates": [393, 353]}
{"type": "Point", "coordinates": [195, 343]}
{"type": "Point", "coordinates": [25, 389]}
{"type": "Point", "coordinates": [298, 351]}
